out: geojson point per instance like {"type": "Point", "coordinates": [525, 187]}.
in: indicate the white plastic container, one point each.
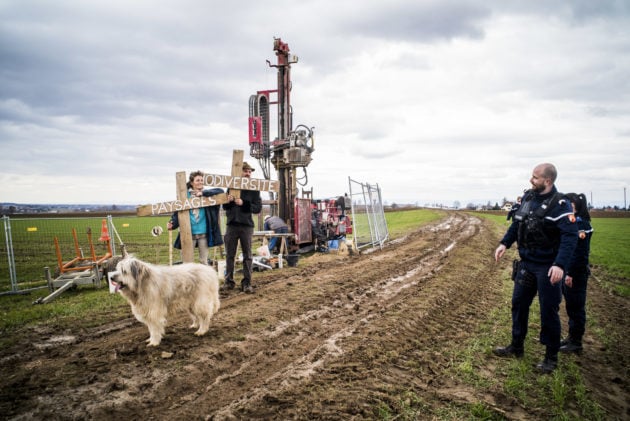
{"type": "Point", "coordinates": [221, 269]}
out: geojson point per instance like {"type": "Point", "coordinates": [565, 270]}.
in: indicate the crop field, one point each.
{"type": "Point", "coordinates": [34, 243]}
{"type": "Point", "coordinates": [399, 333]}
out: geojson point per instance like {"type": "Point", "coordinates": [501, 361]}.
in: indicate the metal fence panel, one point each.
{"type": "Point", "coordinates": [29, 244]}
{"type": "Point", "coordinates": [368, 215]}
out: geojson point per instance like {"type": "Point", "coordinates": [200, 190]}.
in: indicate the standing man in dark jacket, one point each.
{"type": "Point", "coordinates": [545, 230]}
{"type": "Point", "coordinates": [576, 281]}
{"type": "Point", "coordinates": [240, 227]}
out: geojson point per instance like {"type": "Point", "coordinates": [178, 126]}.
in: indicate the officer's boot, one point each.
{"type": "Point", "coordinates": [571, 345]}
{"type": "Point", "coordinates": [512, 350]}
{"type": "Point", "coordinates": [246, 287]}
{"type": "Point", "coordinates": [549, 364]}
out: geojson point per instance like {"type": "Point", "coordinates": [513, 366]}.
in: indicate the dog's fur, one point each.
{"type": "Point", "coordinates": [157, 291]}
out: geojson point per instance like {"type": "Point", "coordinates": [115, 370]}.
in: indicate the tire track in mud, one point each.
{"type": "Point", "coordinates": [350, 313]}
{"type": "Point", "coordinates": [400, 350]}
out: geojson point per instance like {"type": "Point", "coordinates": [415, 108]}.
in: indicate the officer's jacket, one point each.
{"type": "Point", "coordinates": [559, 225]}
{"type": "Point", "coordinates": [579, 261]}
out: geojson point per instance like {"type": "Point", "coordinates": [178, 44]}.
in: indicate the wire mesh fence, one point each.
{"type": "Point", "coordinates": [30, 244]}
{"type": "Point", "coordinates": [368, 216]}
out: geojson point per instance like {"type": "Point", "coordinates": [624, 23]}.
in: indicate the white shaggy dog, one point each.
{"type": "Point", "coordinates": [157, 291]}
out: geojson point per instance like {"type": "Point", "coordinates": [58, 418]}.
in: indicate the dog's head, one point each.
{"type": "Point", "coordinates": [129, 275]}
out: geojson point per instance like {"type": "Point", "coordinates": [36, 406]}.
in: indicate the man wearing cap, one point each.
{"type": "Point", "coordinates": [277, 225]}
{"type": "Point", "coordinates": [240, 227]}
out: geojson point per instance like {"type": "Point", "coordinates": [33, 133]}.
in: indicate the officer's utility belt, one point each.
{"type": "Point", "coordinates": [522, 276]}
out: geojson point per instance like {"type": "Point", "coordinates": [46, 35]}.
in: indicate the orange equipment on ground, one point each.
{"type": "Point", "coordinates": [104, 232]}
{"type": "Point", "coordinates": [80, 262]}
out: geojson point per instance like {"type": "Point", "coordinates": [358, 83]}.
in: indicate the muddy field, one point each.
{"type": "Point", "coordinates": [337, 337]}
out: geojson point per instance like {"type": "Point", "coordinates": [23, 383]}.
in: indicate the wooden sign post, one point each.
{"type": "Point", "coordinates": [235, 182]}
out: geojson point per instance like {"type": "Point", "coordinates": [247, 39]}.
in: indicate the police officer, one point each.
{"type": "Point", "coordinates": [575, 283]}
{"type": "Point", "coordinates": [545, 230]}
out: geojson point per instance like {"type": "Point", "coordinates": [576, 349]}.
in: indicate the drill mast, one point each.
{"type": "Point", "coordinates": [291, 149]}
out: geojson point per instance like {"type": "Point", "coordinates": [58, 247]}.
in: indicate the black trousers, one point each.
{"type": "Point", "coordinates": [575, 301]}
{"type": "Point", "coordinates": [549, 298]}
{"type": "Point", "coordinates": [234, 234]}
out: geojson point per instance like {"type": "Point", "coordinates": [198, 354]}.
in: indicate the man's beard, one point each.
{"type": "Point", "coordinates": [539, 188]}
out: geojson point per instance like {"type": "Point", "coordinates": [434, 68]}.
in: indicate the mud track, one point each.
{"type": "Point", "coordinates": [333, 338]}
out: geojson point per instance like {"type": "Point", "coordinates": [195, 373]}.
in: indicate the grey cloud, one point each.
{"type": "Point", "coordinates": [422, 21]}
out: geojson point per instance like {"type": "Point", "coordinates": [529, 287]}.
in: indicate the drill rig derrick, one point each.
{"type": "Point", "coordinates": [291, 149]}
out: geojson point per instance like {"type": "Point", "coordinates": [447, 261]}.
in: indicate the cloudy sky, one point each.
{"type": "Point", "coordinates": [436, 101]}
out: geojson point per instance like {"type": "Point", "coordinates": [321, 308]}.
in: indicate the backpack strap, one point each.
{"type": "Point", "coordinates": [548, 204]}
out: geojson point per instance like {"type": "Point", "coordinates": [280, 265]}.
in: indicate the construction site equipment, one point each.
{"type": "Point", "coordinates": [80, 270]}
{"type": "Point", "coordinates": [76, 264]}
{"type": "Point", "coordinates": [90, 276]}
{"type": "Point", "coordinates": [290, 150]}
{"type": "Point", "coordinates": [370, 228]}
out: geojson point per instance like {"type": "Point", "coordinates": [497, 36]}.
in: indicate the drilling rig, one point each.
{"type": "Point", "coordinates": [311, 221]}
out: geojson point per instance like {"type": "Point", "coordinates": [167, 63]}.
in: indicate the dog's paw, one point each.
{"type": "Point", "coordinates": [200, 333]}
{"type": "Point", "coordinates": [154, 341]}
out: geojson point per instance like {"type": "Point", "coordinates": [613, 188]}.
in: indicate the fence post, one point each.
{"type": "Point", "coordinates": [8, 237]}
{"type": "Point", "coordinates": [111, 229]}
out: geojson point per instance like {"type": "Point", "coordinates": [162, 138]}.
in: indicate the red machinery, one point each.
{"type": "Point", "coordinates": [313, 222]}
{"type": "Point", "coordinates": [329, 221]}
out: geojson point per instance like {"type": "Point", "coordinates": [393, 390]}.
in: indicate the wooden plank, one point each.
{"type": "Point", "coordinates": [185, 232]}
{"type": "Point", "coordinates": [237, 170]}
{"type": "Point", "coordinates": [165, 208]}
{"type": "Point", "coordinates": [235, 182]}
{"type": "Point", "coordinates": [241, 183]}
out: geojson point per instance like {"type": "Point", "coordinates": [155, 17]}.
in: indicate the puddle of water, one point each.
{"type": "Point", "coordinates": [54, 341]}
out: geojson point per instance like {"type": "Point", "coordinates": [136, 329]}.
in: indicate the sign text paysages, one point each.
{"type": "Point", "coordinates": [180, 205]}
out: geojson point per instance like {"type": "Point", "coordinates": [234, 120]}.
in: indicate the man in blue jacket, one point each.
{"type": "Point", "coordinates": [545, 230]}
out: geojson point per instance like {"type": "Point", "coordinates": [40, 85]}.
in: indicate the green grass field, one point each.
{"type": "Point", "coordinates": [610, 247]}
{"type": "Point", "coordinates": [34, 246]}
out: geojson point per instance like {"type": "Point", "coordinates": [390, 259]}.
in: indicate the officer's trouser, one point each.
{"type": "Point", "coordinates": [549, 298]}
{"type": "Point", "coordinates": [575, 302]}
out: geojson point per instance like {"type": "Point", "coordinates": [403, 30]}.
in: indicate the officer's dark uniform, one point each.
{"type": "Point", "coordinates": [542, 243]}
{"type": "Point", "coordinates": [575, 296]}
